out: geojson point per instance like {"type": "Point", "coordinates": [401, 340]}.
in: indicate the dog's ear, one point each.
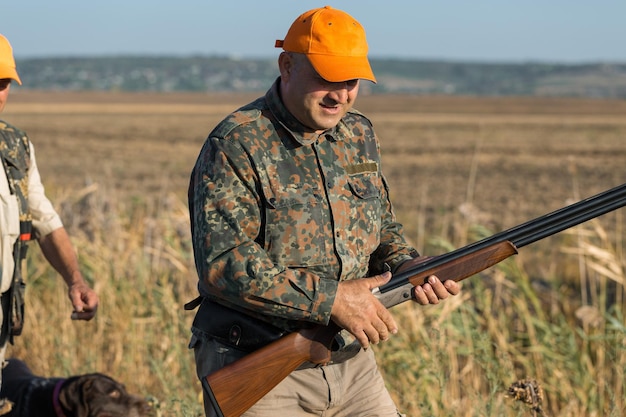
{"type": "Point", "coordinates": [73, 398]}
{"type": "Point", "coordinates": [80, 394]}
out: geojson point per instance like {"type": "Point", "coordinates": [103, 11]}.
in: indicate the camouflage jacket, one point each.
{"type": "Point", "coordinates": [280, 215]}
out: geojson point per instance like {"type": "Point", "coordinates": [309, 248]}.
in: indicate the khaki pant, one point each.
{"type": "Point", "coordinates": [353, 388]}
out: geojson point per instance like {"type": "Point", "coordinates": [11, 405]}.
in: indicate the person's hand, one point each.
{"type": "Point", "coordinates": [433, 290]}
{"type": "Point", "coordinates": [359, 312]}
{"type": "Point", "coordinates": [84, 300]}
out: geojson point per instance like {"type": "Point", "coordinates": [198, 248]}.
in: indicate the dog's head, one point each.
{"type": "Point", "coordinates": [97, 395]}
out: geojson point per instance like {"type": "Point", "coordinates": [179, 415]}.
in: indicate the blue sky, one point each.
{"type": "Point", "coordinates": [572, 31]}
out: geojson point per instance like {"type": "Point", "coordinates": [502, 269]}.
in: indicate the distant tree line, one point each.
{"type": "Point", "coordinates": [218, 73]}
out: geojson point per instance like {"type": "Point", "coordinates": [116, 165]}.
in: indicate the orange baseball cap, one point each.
{"type": "Point", "coordinates": [7, 62]}
{"type": "Point", "coordinates": [333, 41]}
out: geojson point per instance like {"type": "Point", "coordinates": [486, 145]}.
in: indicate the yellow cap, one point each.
{"type": "Point", "coordinates": [7, 62]}
{"type": "Point", "coordinates": [333, 41]}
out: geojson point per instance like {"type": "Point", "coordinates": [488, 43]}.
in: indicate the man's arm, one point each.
{"type": "Point", "coordinates": [59, 251]}
{"type": "Point", "coordinates": [226, 220]}
{"type": "Point", "coordinates": [56, 245]}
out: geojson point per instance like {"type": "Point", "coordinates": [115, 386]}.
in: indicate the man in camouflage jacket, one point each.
{"type": "Point", "coordinates": [292, 225]}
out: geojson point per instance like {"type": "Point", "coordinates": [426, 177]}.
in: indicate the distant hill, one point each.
{"type": "Point", "coordinates": [217, 73]}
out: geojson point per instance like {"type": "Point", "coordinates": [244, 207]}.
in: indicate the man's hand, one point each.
{"type": "Point", "coordinates": [433, 290]}
{"type": "Point", "coordinates": [358, 311]}
{"type": "Point", "coordinates": [84, 300]}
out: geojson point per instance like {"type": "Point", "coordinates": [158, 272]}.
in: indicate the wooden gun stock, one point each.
{"type": "Point", "coordinates": [236, 387]}
{"type": "Point", "coordinates": [239, 385]}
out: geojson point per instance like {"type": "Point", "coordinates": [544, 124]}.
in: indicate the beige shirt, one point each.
{"type": "Point", "coordinates": [45, 218]}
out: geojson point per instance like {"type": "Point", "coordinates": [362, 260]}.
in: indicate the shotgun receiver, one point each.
{"type": "Point", "coordinates": [239, 385]}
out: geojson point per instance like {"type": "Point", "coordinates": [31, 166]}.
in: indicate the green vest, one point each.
{"type": "Point", "coordinates": [15, 155]}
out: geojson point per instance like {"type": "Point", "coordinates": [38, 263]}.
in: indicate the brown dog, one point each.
{"type": "Point", "coordinates": [89, 395]}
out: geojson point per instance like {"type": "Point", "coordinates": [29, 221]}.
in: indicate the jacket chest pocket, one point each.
{"type": "Point", "coordinates": [365, 211]}
{"type": "Point", "coordinates": [295, 228]}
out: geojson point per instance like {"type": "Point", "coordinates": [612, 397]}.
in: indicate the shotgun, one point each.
{"type": "Point", "coordinates": [237, 386]}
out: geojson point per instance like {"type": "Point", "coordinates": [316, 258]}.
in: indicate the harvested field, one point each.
{"type": "Point", "coordinates": [459, 168]}
{"type": "Point", "coordinates": [512, 158]}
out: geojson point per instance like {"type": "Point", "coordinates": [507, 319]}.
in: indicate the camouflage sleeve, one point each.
{"type": "Point", "coordinates": [226, 218]}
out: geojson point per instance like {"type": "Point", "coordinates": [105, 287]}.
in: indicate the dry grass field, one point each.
{"type": "Point", "coordinates": [117, 165]}
{"type": "Point", "coordinates": [517, 157]}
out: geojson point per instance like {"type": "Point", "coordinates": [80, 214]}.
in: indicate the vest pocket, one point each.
{"type": "Point", "coordinates": [9, 232]}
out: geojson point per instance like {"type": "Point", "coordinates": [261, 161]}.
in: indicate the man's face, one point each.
{"type": "Point", "coordinates": [5, 86]}
{"type": "Point", "coordinates": [316, 103]}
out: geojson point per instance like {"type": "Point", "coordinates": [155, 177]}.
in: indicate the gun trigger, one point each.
{"type": "Point", "coordinates": [386, 267]}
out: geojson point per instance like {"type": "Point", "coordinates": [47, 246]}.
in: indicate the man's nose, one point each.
{"type": "Point", "coordinates": [340, 92]}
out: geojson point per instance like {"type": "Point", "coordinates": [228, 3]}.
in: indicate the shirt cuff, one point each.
{"type": "Point", "coordinates": [44, 228]}
{"type": "Point", "coordinates": [323, 305]}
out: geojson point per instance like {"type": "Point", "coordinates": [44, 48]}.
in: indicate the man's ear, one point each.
{"type": "Point", "coordinates": [285, 65]}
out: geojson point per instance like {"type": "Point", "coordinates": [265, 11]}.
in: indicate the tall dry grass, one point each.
{"type": "Point", "coordinates": [546, 324]}
{"type": "Point", "coordinates": [137, 256]}
{"type": "Point", "coordinates": [567, 334]}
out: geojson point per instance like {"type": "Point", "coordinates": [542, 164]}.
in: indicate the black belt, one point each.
{"type": "Point", "coordinates": [234, 328]}
{"type": "Point", "coordinates": [241, 331]}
